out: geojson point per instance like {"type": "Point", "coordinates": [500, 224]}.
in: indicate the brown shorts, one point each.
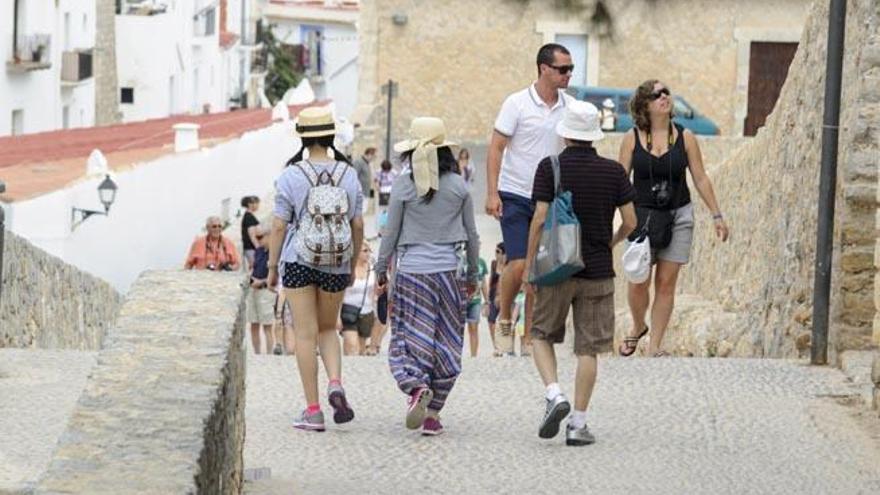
{"type": "Point", "coordinates": [593, 303]}
{"type": "Point", "coordinates": [363, 325]}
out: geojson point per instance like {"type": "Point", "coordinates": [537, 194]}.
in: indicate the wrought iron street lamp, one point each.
{"type": "Point", "coordinates": [107, 195]}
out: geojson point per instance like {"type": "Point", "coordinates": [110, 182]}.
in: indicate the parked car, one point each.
{"type": "Point", "coordinates": [685, 113]}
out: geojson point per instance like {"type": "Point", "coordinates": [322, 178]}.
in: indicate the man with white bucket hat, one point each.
{"type": "Point", "coordinates": [598, 186]}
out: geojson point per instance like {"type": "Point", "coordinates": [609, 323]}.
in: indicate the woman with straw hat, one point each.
{"type": "Point", "coordinates": [314, 286]}
{"type": "Point", "coordinates": [430, 220]}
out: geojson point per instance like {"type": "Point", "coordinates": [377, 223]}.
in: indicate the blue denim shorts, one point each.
{"type": "Point", "coordinates": [516, 216]}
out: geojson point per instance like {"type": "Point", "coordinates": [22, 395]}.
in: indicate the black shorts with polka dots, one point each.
{"type": "Point", "coordinates": [297, 276]}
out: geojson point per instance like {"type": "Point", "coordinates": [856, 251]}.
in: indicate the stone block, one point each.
{"type": "Point", "coordinates": [861, 194]}
{"type": "Point", "coordinates": [163, 410]}
{"type": "Point", "coordinates": [857, 259]}
{"type": "Point", "coordinates": [875, 369]}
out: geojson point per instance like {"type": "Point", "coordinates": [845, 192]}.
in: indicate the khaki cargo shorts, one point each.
{"type": "Point", "coordinates": [593, 304]}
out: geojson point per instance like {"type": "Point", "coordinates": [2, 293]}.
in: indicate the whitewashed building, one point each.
{"type": "Point", "coordinates": [325, 32]}
{"type": "Point", "coordinates": [47, 82]}
{"type": "Point", "coordinates": [181, 57]}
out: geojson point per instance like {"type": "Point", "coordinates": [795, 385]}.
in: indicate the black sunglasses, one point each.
{"type": "Point", "coordinates": [563, 69]}
{"type": "Point", "coordinates": [661, 91]}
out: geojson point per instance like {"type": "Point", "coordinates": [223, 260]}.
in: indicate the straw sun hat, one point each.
{"type": "Point", "coordinates": [315, 122]}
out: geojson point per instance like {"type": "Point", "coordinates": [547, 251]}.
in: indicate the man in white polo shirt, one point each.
{"type": "Point", "coordinates": [524, 134]}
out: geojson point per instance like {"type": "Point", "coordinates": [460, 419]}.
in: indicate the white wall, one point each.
{"type": "Point", "coordinates": [340, 61]}
{"type": "Point", "coordinates": [150, 50]}
{"type": "Point", "coordinates": [160, 206]}
{"type": "Point", "coordinates": [40, 93]}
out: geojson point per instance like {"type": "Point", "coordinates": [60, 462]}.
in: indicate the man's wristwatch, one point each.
{"type": "Point", "coordinates": [717, 216]}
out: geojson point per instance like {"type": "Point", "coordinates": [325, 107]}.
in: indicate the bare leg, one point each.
{"type": "Point", "coordinates": [328, 339]}
{"type": "Point", "coordinates": [639, 298]}
{"type": "Point", "coordinates": [289, 340]}
{"type": "Point", "coordinates": [306, 322]}
{"type": "Point", "coordinates": [474, 337]}
{"type": "Point", "coordinates": [584, 381]}
{"type": "Point", "coordinates": [270, 338]}
{"type": "Point", "coordinates": [665, 279]}
{"type": "Point", "coordinates": [349, 342]}
{"type": "Point", "coordinates": [255, 337]}
{"type": "Point", "coordinates": [362, 346]}
{"type": "Point", "coordinates": [527, 332]}
{"type": "Point", "coordinates": [545, 361]}
{"type": "Point", "coordinates": [511, 282]}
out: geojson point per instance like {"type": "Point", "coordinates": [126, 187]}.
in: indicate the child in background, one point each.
{"type": "Point", "coordinates": [259, 299]}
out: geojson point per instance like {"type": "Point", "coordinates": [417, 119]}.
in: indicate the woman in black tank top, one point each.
{"type": "Point", "coordinates": [659, 153]}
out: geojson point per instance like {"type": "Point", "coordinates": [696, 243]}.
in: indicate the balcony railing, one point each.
{"type": "Point", "coordinates": [76, 66]}
{"type": "Point", "coordinates": [141, 7]}
{"type": "Point", "coordinates": [32, 52]}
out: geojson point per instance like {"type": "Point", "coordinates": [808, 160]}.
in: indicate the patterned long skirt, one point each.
{"type": "Point", "coordinates": [427, 326]}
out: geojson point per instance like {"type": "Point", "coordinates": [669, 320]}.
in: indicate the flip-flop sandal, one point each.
{"type": "Point", "coordinates": [630, 344]}
{"type": "Point", "coordinates": [661, 353]}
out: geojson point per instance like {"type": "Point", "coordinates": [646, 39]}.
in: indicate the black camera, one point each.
{"type": "Point", "coordinates": [661, 193]}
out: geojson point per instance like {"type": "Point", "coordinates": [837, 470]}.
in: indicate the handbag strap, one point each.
{"type": "Point", "coordinates": [557, 181]}
{"type": "Point", "coordinates": [366, 284]}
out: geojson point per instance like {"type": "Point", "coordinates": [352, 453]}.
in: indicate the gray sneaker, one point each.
{"type": "Point", "coordinates": [309, 422]}
{"type": "Point", "coordinates": [557, 410]}
{"type": "Point", "coordinates": [578, 436]}
{"type": "Point", "coordinates": [342, 412]}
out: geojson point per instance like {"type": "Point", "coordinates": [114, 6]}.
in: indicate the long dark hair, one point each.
{"type": "Point", "coordinates": [325, 141]}
{"type": "Point", "coordinates": [446, 163]}
{"type": "Point", "coordinates": [638, 105]}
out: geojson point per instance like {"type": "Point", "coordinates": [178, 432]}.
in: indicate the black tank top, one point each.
{"type": "Point", "coordinates": [670, 167]}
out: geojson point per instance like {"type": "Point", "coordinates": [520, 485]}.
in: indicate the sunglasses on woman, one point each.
{"type": "Point", "coordinates": [659, 92]}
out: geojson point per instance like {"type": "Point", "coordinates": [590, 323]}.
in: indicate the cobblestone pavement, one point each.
{"type": "Point", "coordinates": [662, 425]}
{"type": "Point", "coordinates": [38, 390]}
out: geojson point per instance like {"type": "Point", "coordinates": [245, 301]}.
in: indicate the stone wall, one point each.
{"type": "Point", "coordinates": [163, 410]}
{"type": "Point", "coordinates": [753, 295]}
{"type": "Point", "coordinates": [459, 59]}
{"type": "Point", "coordinates": [49, 304]}
{"type": "Point", "coordinates": [106, 85]}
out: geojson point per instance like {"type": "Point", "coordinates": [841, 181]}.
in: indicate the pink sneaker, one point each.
{"type": "Point", "coordinates": [432, 427]}
{"type": "Point", "coordinates": [418, 407]}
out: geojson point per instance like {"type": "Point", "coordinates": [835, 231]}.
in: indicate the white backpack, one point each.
{"type": "Point", "coordinates": [323, 231]}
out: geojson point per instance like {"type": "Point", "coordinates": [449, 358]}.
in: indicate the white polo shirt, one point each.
{"type": "Point", "coordinates": [531, 127]}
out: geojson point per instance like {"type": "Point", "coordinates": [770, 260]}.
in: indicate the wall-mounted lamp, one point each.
{"type": "Point", "coordinates": [106, 193]}
{"type": "Point", "coordinates": [399, 19]}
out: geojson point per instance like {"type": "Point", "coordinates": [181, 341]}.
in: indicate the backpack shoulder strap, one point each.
{"type": "Point", "coordinates": [557, 181]}
{"type": "Point", "coordinates": [308, 172]}
{"type": "Point", "coordinates": [338, 173]}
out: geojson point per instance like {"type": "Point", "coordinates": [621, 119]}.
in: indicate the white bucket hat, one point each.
{"type": "Point", "coordinates": [580, 122]}
{"type": "Point", "coordinates": [607, 103]}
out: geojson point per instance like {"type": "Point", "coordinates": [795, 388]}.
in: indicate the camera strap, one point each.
{"type": "Point", "coordinates": [670, 143]}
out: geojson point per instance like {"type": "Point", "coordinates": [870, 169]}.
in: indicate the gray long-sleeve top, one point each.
{"type": "Point", "coordinates": [448, 218]}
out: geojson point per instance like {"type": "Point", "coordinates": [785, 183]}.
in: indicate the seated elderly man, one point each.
{"type": "Point", "coordinates": [212, 251]}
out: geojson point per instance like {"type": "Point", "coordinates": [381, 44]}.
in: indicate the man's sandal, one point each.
{"type": "Point", "coordinates": [630, 344]}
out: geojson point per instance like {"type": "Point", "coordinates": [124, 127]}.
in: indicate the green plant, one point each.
{"type": "Point", "coordinates": [282, 67]}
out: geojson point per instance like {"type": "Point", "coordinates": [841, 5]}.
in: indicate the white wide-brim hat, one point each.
{"type": "Point", "coordinates": [580, 122]}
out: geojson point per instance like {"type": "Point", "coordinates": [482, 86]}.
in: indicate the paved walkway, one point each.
{"type": "Point", "coordinates": [663, 426]}
{"type": "Point", "coordinates": [38, 390]}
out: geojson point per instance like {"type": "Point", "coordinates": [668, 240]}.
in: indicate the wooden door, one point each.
{"type": "Point", "coordinates": [768, 67]}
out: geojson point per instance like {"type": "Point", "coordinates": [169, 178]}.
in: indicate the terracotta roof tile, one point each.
{"type": "Point", "coordinates": [34, 164]}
